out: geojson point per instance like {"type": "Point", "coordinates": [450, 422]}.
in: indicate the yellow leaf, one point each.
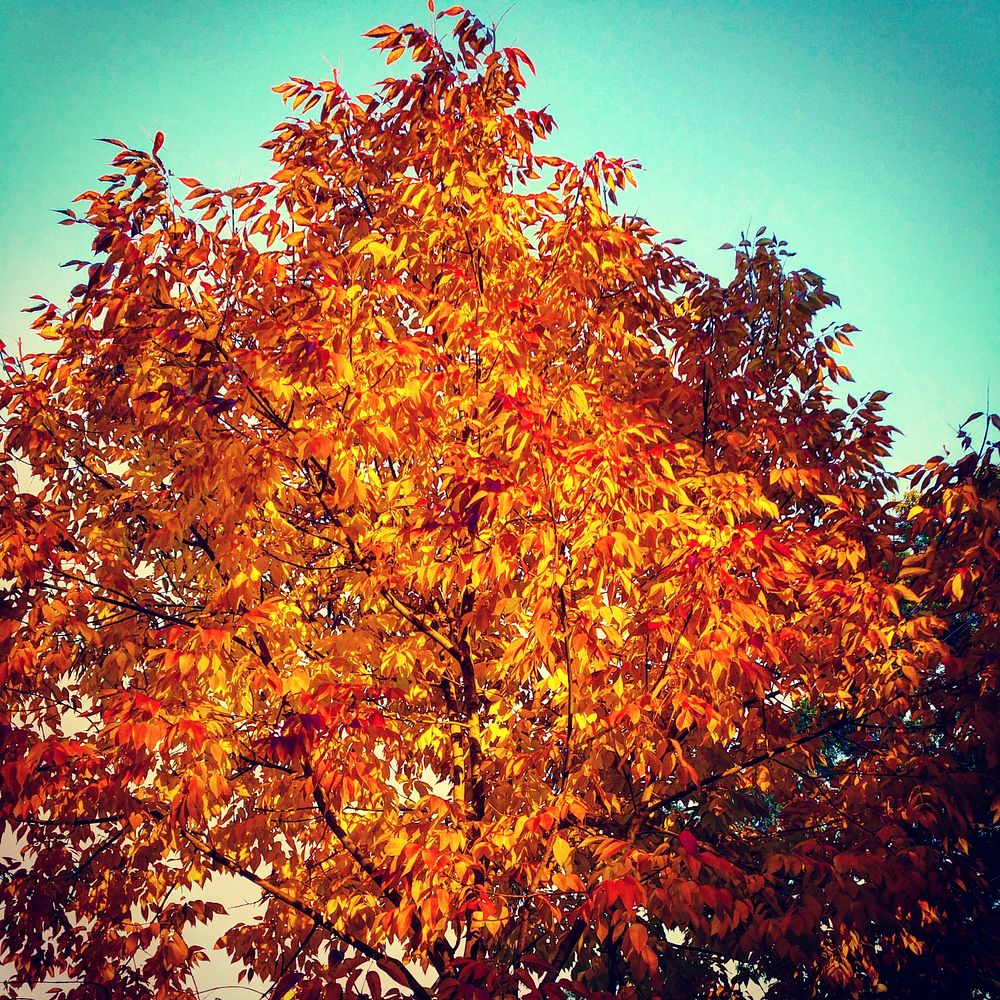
{"type": "Point", "coordinates": [562, 852]}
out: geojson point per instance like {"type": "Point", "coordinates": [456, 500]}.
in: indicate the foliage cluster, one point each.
{"type": "Point", "coordinates": [511, 604]}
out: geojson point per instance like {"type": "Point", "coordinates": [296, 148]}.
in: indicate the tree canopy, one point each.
{"type": "Point", "coordinates": [517, 609]}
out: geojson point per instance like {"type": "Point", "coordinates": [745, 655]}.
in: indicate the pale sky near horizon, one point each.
{"type": "Point", "coordinates": [865, 134]}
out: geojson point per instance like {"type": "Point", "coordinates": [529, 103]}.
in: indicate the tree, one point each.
{"type": "Point", "coordinates": [511, 604]}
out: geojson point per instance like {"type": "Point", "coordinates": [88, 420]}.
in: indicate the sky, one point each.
{"type": "Point", "coordinates": [865, 134]}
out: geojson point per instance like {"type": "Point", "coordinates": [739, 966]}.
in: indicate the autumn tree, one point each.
{"type": "Point", "coordinates": [513, 607]}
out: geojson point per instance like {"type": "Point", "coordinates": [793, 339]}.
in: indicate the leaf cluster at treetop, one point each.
{"type": "Point", "coordinates": [511, 605]}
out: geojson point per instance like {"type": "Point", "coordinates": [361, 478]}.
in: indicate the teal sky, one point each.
{"type": "Point", "coordinates": [865, 134]}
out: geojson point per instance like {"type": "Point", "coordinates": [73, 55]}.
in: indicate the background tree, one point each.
{"type": "Point", "coordinates": [508, 602]}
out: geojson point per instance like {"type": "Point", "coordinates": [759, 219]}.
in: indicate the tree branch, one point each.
{"type": "Point", "coordinates": [390, 966]}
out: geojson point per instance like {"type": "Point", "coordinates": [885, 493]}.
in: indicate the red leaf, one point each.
{"type": "Point", "coordinates": [157, 142]}
{"type": "Point", "coordinates": [286, 985]}
{"type": "Point", "coordinates": [536, 964]}
{"type": "Point", "coordinates": [687, 840]}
